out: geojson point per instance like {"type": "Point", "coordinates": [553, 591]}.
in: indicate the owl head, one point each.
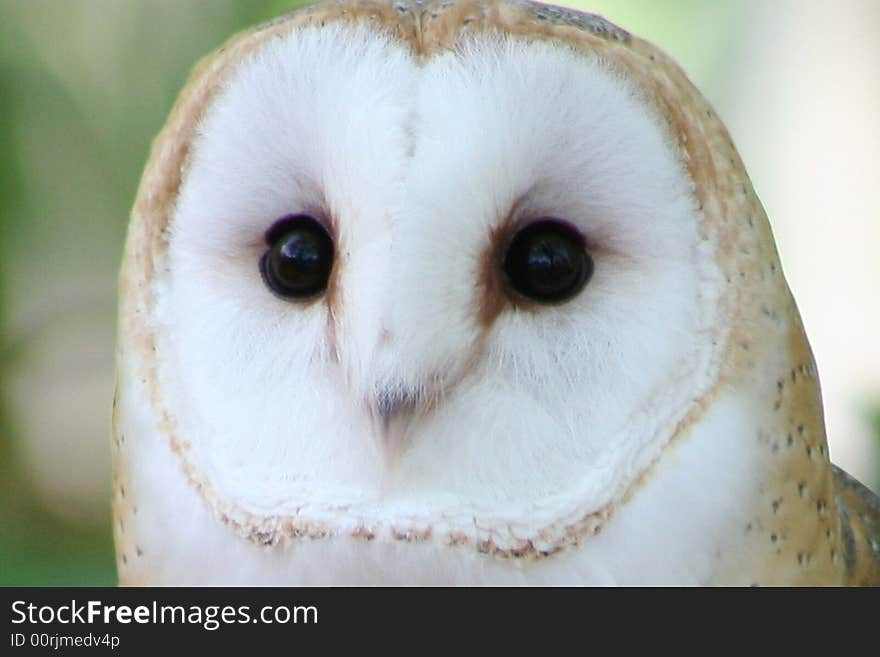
{"type": "Point", "coordinates": [459, 273]}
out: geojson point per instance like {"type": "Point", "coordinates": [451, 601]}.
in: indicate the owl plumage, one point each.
{"type": "Point", "coordinates": [420, 421]}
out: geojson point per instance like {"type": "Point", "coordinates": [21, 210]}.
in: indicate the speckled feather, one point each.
{"type": "Point", "coordinates": [815, 525]}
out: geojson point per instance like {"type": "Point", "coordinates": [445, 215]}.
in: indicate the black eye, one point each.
{"type": "Point", "coordinates": [300, 257]}
{"type": "Point", "coordinates": [547, 262]}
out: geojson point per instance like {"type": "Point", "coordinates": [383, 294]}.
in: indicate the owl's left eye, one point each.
{"type": "Point", "coordinates": [300, 257]}
{"type": "Point", "coordinates": [547, 262]}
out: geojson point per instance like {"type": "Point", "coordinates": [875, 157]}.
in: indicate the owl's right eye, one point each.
{"type": "Point", "coordinates": [300, 257]}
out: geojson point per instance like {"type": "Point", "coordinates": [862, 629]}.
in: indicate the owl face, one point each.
{"type": "Point", "coordinates": [460, 294]}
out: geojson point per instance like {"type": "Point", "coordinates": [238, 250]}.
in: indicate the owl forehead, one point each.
{"type": "Point", "coordinates": [323, 109]}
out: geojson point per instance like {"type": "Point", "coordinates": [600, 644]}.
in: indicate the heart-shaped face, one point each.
{"type": "Point", "coordinates": [473, 279]}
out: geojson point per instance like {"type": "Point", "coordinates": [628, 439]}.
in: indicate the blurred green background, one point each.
{"type": "Point", "coordinates": [85, 85]}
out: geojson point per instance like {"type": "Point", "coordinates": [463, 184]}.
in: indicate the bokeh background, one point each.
{"type": "Point", "coordinates": [86, 84]}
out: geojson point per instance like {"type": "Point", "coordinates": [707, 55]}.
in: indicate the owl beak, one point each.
{"type": "Point", "coordinates": [392, 409]}
{"type": "Point", "coordinates": [391, 403]}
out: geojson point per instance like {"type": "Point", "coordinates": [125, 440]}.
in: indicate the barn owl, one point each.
{"type": "Point", "coordinates": [463, 292]}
